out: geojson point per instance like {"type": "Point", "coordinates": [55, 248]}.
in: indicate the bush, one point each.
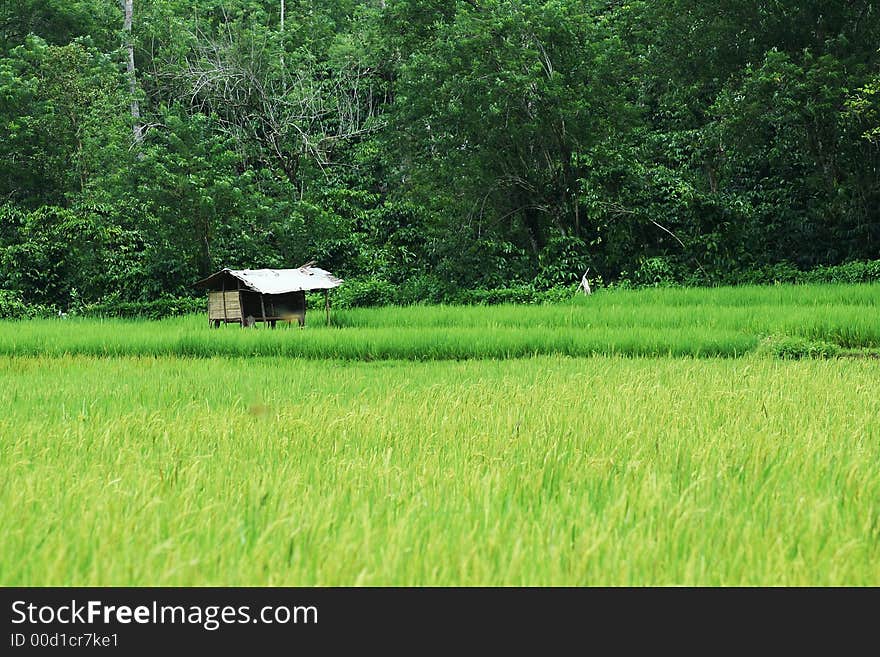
{"type": "Point", "coordinates": [428, 290]}
{"type": "Point", "coordinates": [784, 272]}
{"type": "Point", "coordinates": [559, 294]}
{"type": "Point", "coordinates": [791, 347]}
{"type": "Point", "coordinates": [423, 288]}
{"type": "Point", "coordinates": [525, 294]}
{"type": "Point", "coordinates": [364, 293]}
{"type": "Point", "coordinates": [851, 272]}
{"type": "Point", "coordinates": [520, 294]}
{"type": "Point", "coordinates": [12, 306]}
{"type": "Point", "coordinates": [157, 309]}
{"type": "Point", "coordinates": [652, 272]}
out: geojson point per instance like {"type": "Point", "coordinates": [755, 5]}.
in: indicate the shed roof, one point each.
{"type": "Point", "coordinates": [275, 281]}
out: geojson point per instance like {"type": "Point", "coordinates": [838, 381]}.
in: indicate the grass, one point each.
{"type": "Point", "coordinates": [727, 322]}
{"type": "Point", "coordinates": [542, 471]}
{"type": "Point", "coordinates": [452, 446]}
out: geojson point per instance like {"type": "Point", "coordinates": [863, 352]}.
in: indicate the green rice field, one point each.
{"type": "Point", "coordinates": [726, 322]}
{"type": "Point", "coordinates": [658, 437]}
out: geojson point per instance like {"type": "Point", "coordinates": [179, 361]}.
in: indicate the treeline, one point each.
{"type": "Point", "coordinates": [431, 146]}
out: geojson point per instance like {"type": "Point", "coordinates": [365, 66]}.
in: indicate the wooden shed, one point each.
{"type": "Point", "coordinates": [247, 296]}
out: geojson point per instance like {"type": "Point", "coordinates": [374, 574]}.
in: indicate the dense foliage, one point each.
{"type": "Point", "coordinates": [424, 147]}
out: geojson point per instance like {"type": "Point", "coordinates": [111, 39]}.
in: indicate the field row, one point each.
{"type": "Point", "coordinates": [725, 322]}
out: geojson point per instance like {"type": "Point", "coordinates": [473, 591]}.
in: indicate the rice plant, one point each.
{"type": "Point", "coordinates": [548, 470]}
{"type": "Point", "coordinates": [691, 437]}
{"type": "Point", "coordinates": [725, 322]}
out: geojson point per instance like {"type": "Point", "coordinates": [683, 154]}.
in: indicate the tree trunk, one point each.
{"type": "Point", "coordinates": [533, 229]}
{"type": "Point", "coordinates": [282, 32]}
{"type": "Point", "coordinates": [137, 127]}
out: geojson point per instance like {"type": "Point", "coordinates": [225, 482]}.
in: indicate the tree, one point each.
{"type": "Point", "coordinates": [137, 128]}
{"type": "Point", "coordinates": [62, 131]}
{"type": "Point", "coordinates": [500, 109]}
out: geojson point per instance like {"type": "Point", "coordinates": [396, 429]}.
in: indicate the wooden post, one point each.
{"type": "Point", "coordinates": [263, 307]}
{"type": "Point", "coordinates": [327, 305]}
{"type": "Point", "coordinates": [225, 318]}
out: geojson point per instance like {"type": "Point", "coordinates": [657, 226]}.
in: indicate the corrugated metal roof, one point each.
{"type": "Point", "coordinates": [279, 281]}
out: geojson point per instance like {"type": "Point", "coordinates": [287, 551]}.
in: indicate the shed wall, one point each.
{"type": "Point", "coordinates": [216, 308]}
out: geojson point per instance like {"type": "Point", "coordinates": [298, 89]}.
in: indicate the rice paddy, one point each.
{"type": "Point", "coordinates": [165, 453]}
{"type": "Point", "coordinates": [725, 322]}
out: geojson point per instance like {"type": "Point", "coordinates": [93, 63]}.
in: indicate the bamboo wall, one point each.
{"type": "Point", "coordinates": [230, 311]}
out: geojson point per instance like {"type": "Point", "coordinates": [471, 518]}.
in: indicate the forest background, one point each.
{"type": "Point", "coordinates": [433, 151]}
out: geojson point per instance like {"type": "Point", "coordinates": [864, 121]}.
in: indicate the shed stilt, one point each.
{"type": "Point", "coordinates": [225, 315]}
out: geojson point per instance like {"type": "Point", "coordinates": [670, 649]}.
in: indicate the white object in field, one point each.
{"type": "Point", "coordinates": [585, 284]}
